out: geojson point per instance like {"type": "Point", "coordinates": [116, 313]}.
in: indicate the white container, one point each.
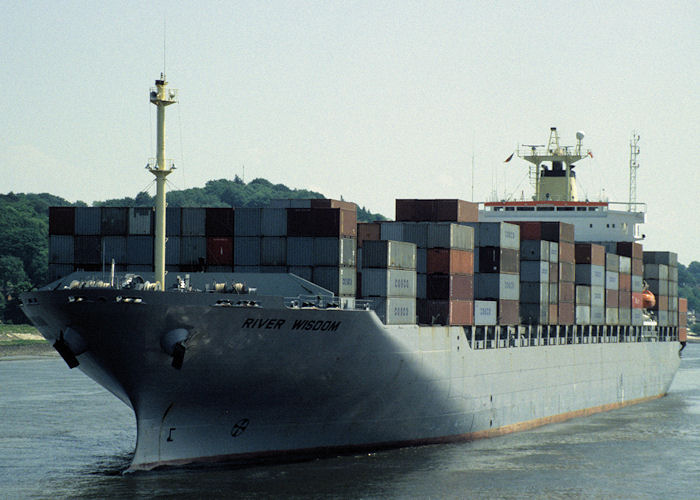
{"type": "Point", "coordinates": [389, 255]}
{"type": "Point", "coordinates": [612, 280]}
{"type": "Point", "coordinates": [378, 282]}
{"type": "Point", "coordinates": [597, 296]}
{"type": "Point", "coordinates": [485, 312]}
{"type": "Point", "coordinates": [395, 310]}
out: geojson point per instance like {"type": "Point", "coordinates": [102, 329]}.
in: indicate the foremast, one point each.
{"type": "Point", "coordinates": [161, 97]}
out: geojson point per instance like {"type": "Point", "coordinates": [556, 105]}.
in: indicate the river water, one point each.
{"type": "Point", "coordinates": [63, 436]}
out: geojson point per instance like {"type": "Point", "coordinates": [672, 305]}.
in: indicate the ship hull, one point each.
{"type": "Point", "coordinates": [273, 381]}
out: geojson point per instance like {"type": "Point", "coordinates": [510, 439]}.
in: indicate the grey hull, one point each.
{"type": "Point", "coordinates": [271, 380]}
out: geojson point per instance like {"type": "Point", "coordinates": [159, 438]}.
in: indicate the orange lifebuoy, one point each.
{"type": "Point", "coordinates": [648, 299]}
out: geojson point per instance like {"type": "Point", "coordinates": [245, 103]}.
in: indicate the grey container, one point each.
{"type": "Point", "coordinates": [583, 315]}
{"type": "Point", "coordinates": [637, 283]}
{"type": "Point", "coordinates": [625, 267]}
{"type": "Point", "coordinates": [612, 280]}
{"type": "Point", "coordinates": [193, 221]}
{"type": "Point", "coordinates": [389, 255]}
{"type": "Point", "coordinates": [497, 234]}
{"type": "Point", "coordinates": [667, 258]}
{"type": "Point", "coordinates": [88, 221]}
{"type": "Point", "coordinates": [421, 286]}
{"type": "Point", "coordinates": [589, 274]}
{"type": "Point", "coordinates": [612, 262]}
{"type": "Point", "coordinates": [114, 221]}
{"type": "Point", "coordinates": [246, 250]}
{"type": "Point", "coordinates": [412, 232]}
{"type": "Point", "coordinates": [280, 203]}
{"type": "Point", "coordinates": [339, 280]}
{"type": "Point", "coordinates": [662, 318]}
{"type": "Point", "coordinates": [637, 317]}
{"type": "Point", "coordinates": [395, 310]}
{"type": "Point", "coordinates": [534, 292]}
{"type": "Point", "coordinates": [247, 222]}
{"type": "Point", "coordinates": [497, 286]}
{"type": "Point", "coordinates": [273, 221]}
{"type": "Point", "coordinates": [449, 235]}
{"type": "Point", "coordinates": [141, 220]}
{"type": "Point", "coordinates": [300, 251]}
{"type": "Point", "coordinates": [114, 247]}
{"type": "Point", "coordinates": [61, 249]}
{"type": "Point", "coordinates": [392, 231]}
{"type": "Point", "coordinates": [534, 250]}
{"type": "Point", "coordinates": [172, 251]}
{"type": "Point", "coordinates": [673, 289]}
{"type": "Point", "coordinates": [388, 283]}
{"type": "Point", "coordinates": [273, 251]}
{"type": "Point", "coordinates": [583, 296]}
{"type": "Point", "coordinates": [597, 296]}
{"type": "Point", "coordinates": [553, 251]}
{"type": "Point", "coordinates": [173, 221]}
{"type": "Point", "coordinates": [624, 316]}
{"type": "Point", "coordinates": [305, 272]}
{"type": "Point", "coordinates": [299, 203]}
{"type": "Point", "coordinates": [534, 271]}
{"type": "Point", "coordinates": [139, 250]}
{"type": "Point", "coordinates": [658, 287]}
{"type": "Point", "coordinates": [673, 274]}
{"type": "Point", "coordinates": [88, 250]}
{"type": "Point", "coordinates": [597, 315]}
{"type": "Point", "coordinates": [422, 260]}
{"type": "Point", "coordinates": [612, 316]}
{"type": "Point", "coordinates": [534, 314]}
{"type": "Point", "coordinates": [656, 271]}
{"type": "Point", "coordinates": [334, 251]}
{"type": "Point", "coordinates": [193, 250]}
{"type": "Point", "coordinates": [554, 293]}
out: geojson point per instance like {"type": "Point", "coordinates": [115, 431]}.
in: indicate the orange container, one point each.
{"type": "Point", "coordinates": [682, 334]}
{"type": "Point", "coordinates": [450, 261]}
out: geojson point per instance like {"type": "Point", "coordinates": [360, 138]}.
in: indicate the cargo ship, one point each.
{"type": "Point", "coordinates": [247, 334]}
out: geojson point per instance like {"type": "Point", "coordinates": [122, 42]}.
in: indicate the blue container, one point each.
{"type": "Point", "coordinates": [139, 250]}
{"type": "Point", "coordinates": [246, 250]}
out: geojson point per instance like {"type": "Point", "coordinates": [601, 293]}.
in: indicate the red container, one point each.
{"type": "Point", "coordinates": [450, 261]}
{"type": "Point", "coordinates": [558, 231]}
{"type": "Point", "coordinates": [368, 231]}
{"type": "Point", "coordinates": [625, 282]}
{"type": "Point", "coordinates": [567, 292]}
{"type": "Point", "coordinates": [328, 203]}
{"type": "Point", "coordinates": [682, 305]}
{"type": "Point", "coordinates": [589, 253]}
{"type": "Point", "coordinates": [567, 313]}
{"type": "Point", "coordinates": [637, 267]}
{"type": "Point", "coordinates": [637, 300]}
{"type": "Point", "coordinates": [321, 222]}
{"type": "Point", "coordinates": [567, 252]}
{"type": "Point", "coordinates": [612, 298]}
{"type": "Point", "coordinates": [61, 220]}
{"type": "Point", "coordinates": [456, 211]}
{"type": "Point", "coordinates": [624, 299]}
{"type": "Point", "coordinates": [529, 230]}
{"type": "Point", "coordinates": [567, 272]}
{"type": "Point", "coordinates": [630, 249]}
{"type": "Point", "coordinates": [553, 272]}
{"type": "Point", "coordinates": [450, 286]}
{"type": "Point", "coordinates": [219, 222]}
{"type": "Point", "coordinates": [439, 210]}
{"type": "Point", "coordinates": [553, 314]}
{"type": "Point", "coordinates": [219, 251]}
{"type": "Point", "coordinates": [661, 303]}
{"type": "Point", "coordinates": [508, 312]}
{"type": "Point", "coordinates": [682, 334]}
{"type": "Point", "coordinates": [447, 312]}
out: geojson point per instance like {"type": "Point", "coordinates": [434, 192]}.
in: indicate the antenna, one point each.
{"type": "Point", "coordinates": [634, 166]}
{"type": "Point", "coordinates": [164, 47]}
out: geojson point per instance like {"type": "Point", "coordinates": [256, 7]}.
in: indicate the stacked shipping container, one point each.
{"type": "Point", "coordinates": [590, 284]}
{"type": "Point", "coordinates": [661, 275]}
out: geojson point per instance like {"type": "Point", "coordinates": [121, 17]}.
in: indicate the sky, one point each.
{"type": "Point", "coordinates": [367, 100]}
